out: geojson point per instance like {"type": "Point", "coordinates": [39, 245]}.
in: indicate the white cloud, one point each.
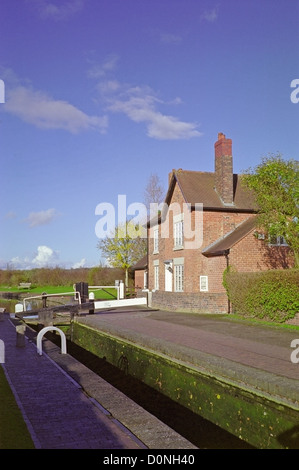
{"type": "Point", "coordinates": [168, 127]}
{"type": "Point", "coordinates": [19, 263]}
{"type": "Point", "coordinates": [168, 38]}
{"type": "Point", "coordinates": [140, 105]}
{"type": "Point", "coordinates": [35, 219]}
{"type": "Point", "coordinates": [101, 70]}
{"type": "Point", "coordinates": [210, 15]}
{"type": "Point", "coordinates": [45, 256]}
{"type": "Point", "coordinates": [39, 109]}
{"type": "Point", "coordinates": [79, 264]}
{"type": "Point", "coordinates": [57, 10]}
{"type": "Point", "coordinates": [108, 86]}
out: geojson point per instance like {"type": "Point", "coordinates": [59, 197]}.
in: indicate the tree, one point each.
{"type": "Point", "coordinates": [124, 248]}
{"type": "Point", "coordinates": [275, 185]}
{"type": "Point", "coordinates": [154, 191]}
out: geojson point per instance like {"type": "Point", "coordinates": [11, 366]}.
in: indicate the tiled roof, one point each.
{"type": "Point", "coordinates": [220, 246]}
{"type": "Point", "coordinates": [141, 264]}
{"type": "Point", "coordinates": [199, 187]}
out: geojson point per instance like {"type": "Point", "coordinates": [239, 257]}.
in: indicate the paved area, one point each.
{"type": "Point", "coordinates": [256, 356]}
{"type": "Point", "coordinates": [59, 402]}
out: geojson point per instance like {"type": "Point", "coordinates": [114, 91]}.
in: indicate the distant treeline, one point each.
{"type": "Point", "coordinates": [57, 276]}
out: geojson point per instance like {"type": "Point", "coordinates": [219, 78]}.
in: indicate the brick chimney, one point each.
{"type": "Point", "coordinates": [224, 169]}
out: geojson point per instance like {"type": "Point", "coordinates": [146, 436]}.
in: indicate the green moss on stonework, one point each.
{"type": "Point", "coordinates": [251, 417]}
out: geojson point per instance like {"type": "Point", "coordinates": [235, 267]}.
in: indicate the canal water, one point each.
{"type": "Point", "coordinates": [199, 431]}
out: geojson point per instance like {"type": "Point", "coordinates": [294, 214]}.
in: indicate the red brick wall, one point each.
{"type": "Point", "coordinates": [139, 279]}
{"type": "Point", "coordinates": [215, 225]}
{"type": "Point", "coordinates": [165, 244]}
{"type": "Point", "coordinates": [195, 303]}
{"type": "Point", "coordinates": [249, 254]}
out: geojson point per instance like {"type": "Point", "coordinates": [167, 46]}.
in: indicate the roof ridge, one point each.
{"type": "Point", "coordinates": [180, 170]}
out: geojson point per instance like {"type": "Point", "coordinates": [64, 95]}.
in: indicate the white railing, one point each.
{"type": "Point", "coordinates": [119, 289]}
{"type": "Point", "coordinates": [75, 294]}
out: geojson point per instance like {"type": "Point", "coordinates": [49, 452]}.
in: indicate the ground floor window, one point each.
{"type": "Point", "coordinates": [203, 284]}
{"type": "Point", "coordinates": [179, 278]}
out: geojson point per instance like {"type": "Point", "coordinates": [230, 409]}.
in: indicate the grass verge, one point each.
{"type": "Point", "coordinates": [258, 321]}
{"type": "Point", "coordinates": [14, 433]}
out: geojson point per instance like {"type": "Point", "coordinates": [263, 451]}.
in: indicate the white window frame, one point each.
{"type": "Point", "coordinates": [179, 278]}
{"type": "Point", "coordinates": [178, 274]}
{"type": "Point", "coordinates": [156, 240]}
{"type": "Point", "coordinates": [280, 241]}
{"type": "Point", "coordinates": [203, 283]}
{"type": "Point", "coordinates": [178, 231]}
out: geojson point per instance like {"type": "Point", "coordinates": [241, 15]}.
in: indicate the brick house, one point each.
{"type": "Point", "coordinates": [140, 273]}
{"type": "Point", "coordinates": [187, 273]}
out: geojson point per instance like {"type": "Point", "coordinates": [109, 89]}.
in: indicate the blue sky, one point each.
{"type": "Point", "coordinates": [99, 94]}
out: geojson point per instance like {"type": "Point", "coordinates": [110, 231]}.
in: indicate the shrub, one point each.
{"type": "Point", "coordinates": [269, 295]}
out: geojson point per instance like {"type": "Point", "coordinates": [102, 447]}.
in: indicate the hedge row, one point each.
{"type": "Point", "coordinates": [269, 295]}
{"type": "Point", "coordinates": [100, 275]}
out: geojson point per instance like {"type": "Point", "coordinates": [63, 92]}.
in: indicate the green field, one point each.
{"type": "Point", "coordinates": [37, 290]}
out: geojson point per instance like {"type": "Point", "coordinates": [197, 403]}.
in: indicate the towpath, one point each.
{"type": "Point", "coordinates": [59, 402]}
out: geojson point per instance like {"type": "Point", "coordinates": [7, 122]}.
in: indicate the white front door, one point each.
{"type": "Point", "coordinates": [168, 277]}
